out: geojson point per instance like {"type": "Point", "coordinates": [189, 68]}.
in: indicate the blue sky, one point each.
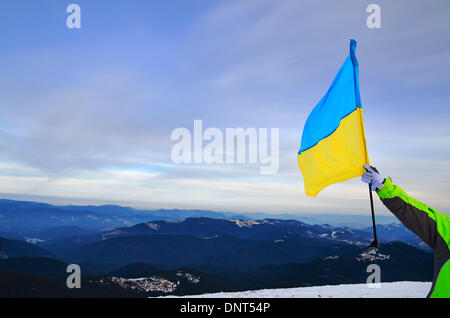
{"type": "Point", "coordinates": [86, 115]}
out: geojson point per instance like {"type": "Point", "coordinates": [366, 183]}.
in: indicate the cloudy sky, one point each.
{"type": "Point", "coordinates": [86, 114]}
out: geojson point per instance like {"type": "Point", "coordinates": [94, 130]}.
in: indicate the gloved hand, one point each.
{"type": "Point", "coordinates": [373, 177]}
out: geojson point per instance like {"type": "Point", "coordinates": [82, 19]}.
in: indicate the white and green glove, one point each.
{"type": "Point", "coordinates": [373, 177]}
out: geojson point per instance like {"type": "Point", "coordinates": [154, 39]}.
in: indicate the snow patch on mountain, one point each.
{"type": "Point", "coordinates": [333, 258]}
{"type": "Point", "coordinates": [105, 236]}
{"type": "Point", "coordinates": [245, 223]}
{"type": "Point", "coordinates": [387, 290]}
{"type": "Point", "coordinates": [210, 237]}
{"type": "Point", "coordinates": [33, 240]}
{"type": "Point", "coordinates": [372, 255]}
{"type": "Point", "coordinates": [153, 226]}
{"type": "Point", "coordinates": [175, 221]}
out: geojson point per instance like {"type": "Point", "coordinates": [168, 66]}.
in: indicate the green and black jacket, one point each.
{"type": "Point", "coordinates": [431, 226]}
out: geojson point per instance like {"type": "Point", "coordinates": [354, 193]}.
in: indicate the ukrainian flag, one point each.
{"type": "Point", "coordinates": [333, 147]}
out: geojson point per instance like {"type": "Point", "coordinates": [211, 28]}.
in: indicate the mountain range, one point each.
{"type": "Point", "coordinates": [23, 217]}
{"type": "Point", "coordinates": [124, 253]}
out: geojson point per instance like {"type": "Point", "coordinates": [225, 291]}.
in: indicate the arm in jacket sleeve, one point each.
{"type": "Point", "coordinates": [431, 226]}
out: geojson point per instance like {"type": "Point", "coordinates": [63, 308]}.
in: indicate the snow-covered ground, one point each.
{"type": "Point", "coordinates": [386, 290]}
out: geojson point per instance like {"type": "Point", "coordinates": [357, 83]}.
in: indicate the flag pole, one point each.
{"type": "Point", "coordinates": [375, 239]}
{"type": "Point", "coordinates": [358, 104]}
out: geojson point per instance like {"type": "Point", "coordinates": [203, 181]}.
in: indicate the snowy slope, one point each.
{"type": "Point", "coordinates": [387, 290]}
